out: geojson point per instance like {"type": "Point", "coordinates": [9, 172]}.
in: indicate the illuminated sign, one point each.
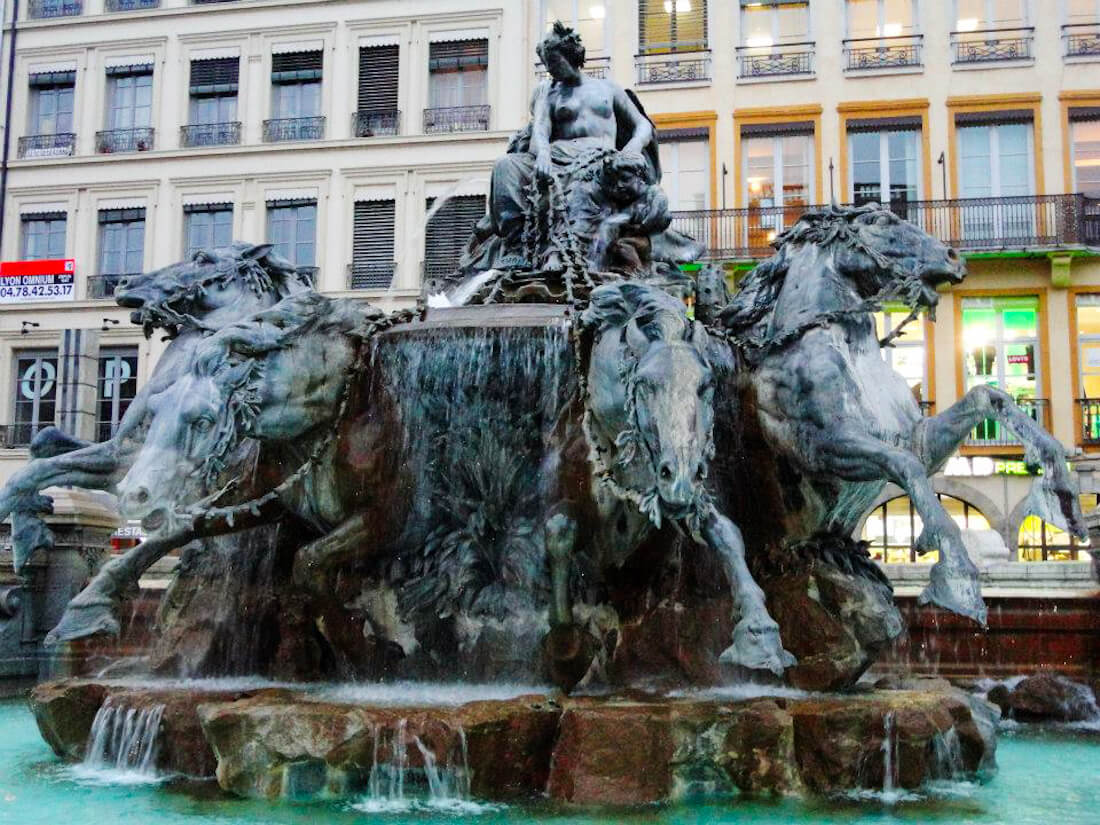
{"type": "Point", "coordinates": [24, 282]}
{"type": "Point", "coordinates": [980, 466]}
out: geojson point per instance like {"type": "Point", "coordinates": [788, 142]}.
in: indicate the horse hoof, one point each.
{"type": "Point", "coordinates": [81, 623]}
{"type": "Point", "coordinates": [757, 647]}
{"type": "Point", "coordinates": [955, 591]}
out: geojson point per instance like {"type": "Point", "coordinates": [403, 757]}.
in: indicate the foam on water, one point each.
{"type": "Point", "coordinates": [424, 694]}
{"type": "Point", "coordinates": [214, 683]}
{"type": "Point", "coordinates": [742, 691]}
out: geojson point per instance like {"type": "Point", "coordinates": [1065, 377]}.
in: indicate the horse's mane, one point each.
{"type": "Point", "coordinates": [658, 315]}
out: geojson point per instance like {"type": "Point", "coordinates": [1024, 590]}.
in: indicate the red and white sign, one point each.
{"type": "Point", "coordinates": [25, 282]}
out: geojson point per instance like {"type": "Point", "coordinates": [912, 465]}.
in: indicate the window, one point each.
{"type": "Point", "coordinates": [214, 90]}
{"type": "Point", "coordinates": [372, 254]}
{"type": "Point", "coordinates": [1001, 349]}
{"type": "Point", "coordinates": [907, 355]}
{"type": "Point", "coordinates": [121, 246]}
{"type": "Point", "coordinates": [976, 15]}
{"type": "Point", "coordinates": [685, 168]}
{"type": "Point", "coordinates": [296, 84]}
{"type": "Point", "coordinates": [51, 104]}
{"type": "Point", "coordinates": [35, 393]}
{"type": "Point", "coordinates": [378, 78]}
{"type": "Point", "coordinates": [43, 236]}
{"type": "Point", "coordinates": [458, 74]}
{"type": "Point", "coordinates": [587, 17]}
{"type": "Point", "coordinates": [880, 18]}
{"type": "Point", "coordinates": [671, 25]}
{"type": "Point", "coordinates": [885, 161]}
{"type": "Point", "coordinates": [996, 160]}
{"type": "Point", "coordinates": [1084, 126]}
{"type": "Point", "coordinates": [448, 230]}
{"type": "Point", "coordinates": [117, 387]}
{"type": "Point", "coordinates": [767, 23]}
{"type": "Point", "coordinates": [206, 226]}
{"type": "Point", "coordinates": [129, 97]}
{"type": "Point", "coordinates": [777, 170]}
{"type": "Point", "coordinates": [892, 528]}
{"type": "Point", "coordinates": [292, 228]}
{"type": "Point", "coordinates": [1088, 366]}
{"type": "Point", "coordinates": [1082, 11]}
{"type": "Point", "coordinates": [1040, 541]}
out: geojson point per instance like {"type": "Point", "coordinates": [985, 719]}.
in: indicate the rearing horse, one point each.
{"type": "Point", "coordinates": [843, 421]}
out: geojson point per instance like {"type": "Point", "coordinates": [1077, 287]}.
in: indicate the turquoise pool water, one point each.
{"type": "Point", "coordinates": [1045, 778]}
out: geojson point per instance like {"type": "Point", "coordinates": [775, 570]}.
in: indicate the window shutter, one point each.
{"type": "Point", "coordinates": [372, 250]}
{"type": "Point", "coordinates": [42, 216]}
{"type": "Point", "coordinates": [47, 79]}
{"type": "Point", "coordinates": [885, 124]}
{"type": "Point", "coordinates": [121, 215]}
{"type": "Point", "coordinates": [210, 77]}
{"type": "Point", "coordinates": [1005, 116]}
{"type": "Point", "coordinates": [800, 127]}
{"type": "Point", "coordinates": [135, 70]}
{"type": "Point", "coordinates": [294, 67]}
{"type": "Point", "coordinates": [1081, 113]}
{"type": "Point", "coordinates": [378, 78]}
{"type": "Point", "coordinates": [448, 232]}
{"type": "Point", "coordinates": [671, 25]}
{"type": "Point", "coordinates": [456, 55]}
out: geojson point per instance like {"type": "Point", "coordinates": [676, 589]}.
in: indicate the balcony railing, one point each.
{"type": "Point", "coordinates": [375, 122]}
{"type": "Point", "coordinates": [775, 61]}
{"type": "Point", "coordinates": [42, 9]}
{"type": "Point", "coordinates": [131, 5]}
{"type": "Point", "coordinates": [865, 53]}
{"type": "Point", "coordinates": [457, 119]}
{"type": "Point", "coordinates": [927, 408]}
{"type": "Point", "coordinates": [1090, 421]}
{"type": "Point", "coordinates": [597, 67]}
{"type": "Point", "coordinates": [1082, 39]}
{"type": "Point", "coordinates": [371, 275]}
{"type": "Point", "coordinates": [969, 225]}
{"type": "Point", "coordinates": [675, 67]}
{"type": "Point", "coordinates": [992, 45]}
{"type": "Point", "coordinates": [139, 139]}
{"type": "Point", "coordinates": [103, 286]}
{"type": "Point", "coordinates": [210, 134]}
{"type": "Point", "coordinates": [13, 436]}
{"type": "Point", "coordinates": [61, 145]}
{"type": "Point", "coordinates": [992, 433]}
{"type": "Point", "coordinates": [294, 128]}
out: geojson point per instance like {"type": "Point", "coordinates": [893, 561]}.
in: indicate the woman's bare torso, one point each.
{"type": "Point", "coordinates": [586, 110]}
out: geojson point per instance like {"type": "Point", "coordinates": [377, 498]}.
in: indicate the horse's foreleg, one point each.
{"type": "Point", "coordinates": [569, 649]}
{"type": "Point", "coordinates": [954, 586]}
{"type": "Point", "coordinates": [1053, 494]}
{"type": "Point", "coordinates": [756, 643]}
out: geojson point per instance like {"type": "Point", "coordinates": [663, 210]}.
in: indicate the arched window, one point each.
{"type": "Point", "coordinates": [892, 528]}
{"type": "Point", "coordinates": [1040, 541]}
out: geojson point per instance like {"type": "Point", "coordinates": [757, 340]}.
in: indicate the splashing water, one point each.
{"type": "Point", "coordinates": [122, 745]}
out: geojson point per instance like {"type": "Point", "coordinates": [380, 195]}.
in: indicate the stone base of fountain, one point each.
{"type": "Point", "coordinates": [633, 748]}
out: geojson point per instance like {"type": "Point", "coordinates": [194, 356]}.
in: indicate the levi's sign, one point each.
{"type": "Point", "coordinates": [24, 282]}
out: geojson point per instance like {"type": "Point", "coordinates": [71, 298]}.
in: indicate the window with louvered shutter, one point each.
{"type": "Point", "coordinates": [458, 74]}
{"type": "Point", "coordinates": [671, 25]}
{"type": "Point", "coordinates": [448, 232]}
{"type": "Point", "coordinates": [211, 77]}
{"type": "Point", "coordinates": [296, 67]}
{"type": "Point", "coordinates": [378, 78]}
{"type": "Point", "coordinates": [372, 251]}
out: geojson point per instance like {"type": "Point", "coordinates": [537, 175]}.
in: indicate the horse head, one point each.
{"type": "Point", "coordinates": [194, 427]}
{"type": "Point", "coordinates": [231, 281]}
{"type": "Point", "coordinates": [651, 393]}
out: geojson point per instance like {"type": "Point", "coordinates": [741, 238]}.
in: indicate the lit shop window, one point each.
{"type": "Point", "coordinates": [1040, 541]}
{"type": "Point", "coordinates": [907, 353]}
{"type": "Point", "coordinates": [892, 528]}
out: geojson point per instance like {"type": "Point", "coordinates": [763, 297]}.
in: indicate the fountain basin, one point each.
{"type": "Point", "coordinates": [622, 749]}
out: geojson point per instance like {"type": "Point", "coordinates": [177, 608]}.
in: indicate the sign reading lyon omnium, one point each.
{"type": "Point", "coordinates": [24, 282]}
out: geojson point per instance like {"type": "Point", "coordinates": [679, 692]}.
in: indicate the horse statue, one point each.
{"type": "Point", "coordinates": [215, 287]}
{"type": "Point", "coordinates": [838, 422]}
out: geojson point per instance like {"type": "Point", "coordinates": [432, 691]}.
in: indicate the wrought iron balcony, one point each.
{"type": "Point", "coordinates": [139, 139]}
{"type": "Point", "coordinates": [103, 286]}
{"type": "Point", "coordinates": [674, 67]}
{"type": "Point", "coordinates": [992, 45]}
{"type": "Point", "coordinates": [131, 5]}
{"type": "Point", "coordinates": [597, 67]}
{"type": "Point", "coordinates": [991, 433]}
{"type": "Point", "coordinates": [868, 53]}
{"type": "Point", "coordinates": [1090, 421]}
{"type": "Point", "coordinates": [1082, 39]}
{"type": "Point", "coordinates": [366, 275]}
{"type": "Point", "coordinates": [13, 436]}
{"type": "Point", "coordinates": [775, 61]}
{"type": "Point", "coordinates": [294, 128]}
{"type": "Point", "coordinates": [61, 145]}
{"type": "Point", "coordinates": [375, 122]}
{"type": "Point", "coordinates": [970, 225]}
{"type": "Point", "coordinates": [210, 134]}
{"type": "Point", "coordinates": [456, 119]}
{"type": "Point", "coordinates": [43, 9]}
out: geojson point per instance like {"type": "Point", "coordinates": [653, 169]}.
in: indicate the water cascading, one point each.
{"type": "Point", "coordinates": [947, 757]}
{"type": "Point", "coordinates": [124, 740]}
{"type": "Point", "coordinates": [448, 782]}
{"type": "Point", "coordinates": [890, 765]}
